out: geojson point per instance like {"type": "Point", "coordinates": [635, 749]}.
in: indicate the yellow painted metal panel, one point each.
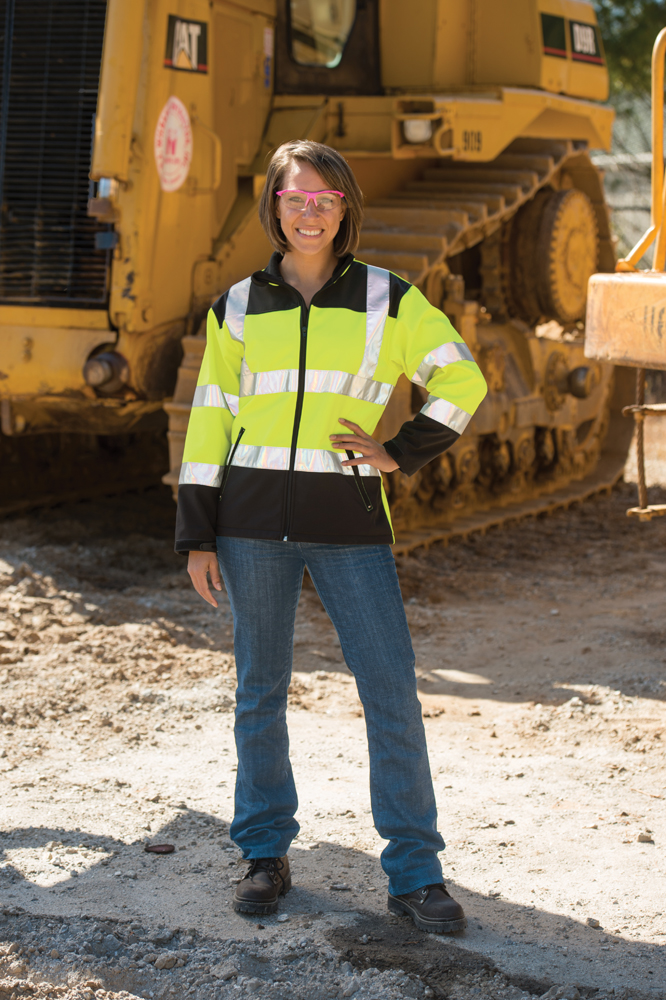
{"type": "Point", "coordinates": [43, 360]}
{"type": "Point", "coordinates": [407, 43]}
{"type": "Point", "coordinates": [84, 319]}
{"type": "Point", "coordinates": [483, 124]}
{"type": "Point", "coordinates": [506, 43]}
{"type": "Point", "coordinates": [626, 319]}
{"type": "Point", "coordinates": [119, 80]}
{"type": "Point", "coordinates": [451, 66]}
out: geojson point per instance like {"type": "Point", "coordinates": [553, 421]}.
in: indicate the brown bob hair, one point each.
{"type": "Point", "coordinates": [336, 174]}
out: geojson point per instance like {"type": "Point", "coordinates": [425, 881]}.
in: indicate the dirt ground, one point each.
{"type": "Point", "coordinates": [540, 654]}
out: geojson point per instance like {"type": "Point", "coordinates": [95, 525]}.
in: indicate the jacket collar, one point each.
{"type": "Point", "coordinates": [271, 273]}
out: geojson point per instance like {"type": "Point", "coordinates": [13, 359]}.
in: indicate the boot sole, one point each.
{"type": "Point", "coordinates": [250, 906]}
{"type": "Point", "coordinates": [402, 909]}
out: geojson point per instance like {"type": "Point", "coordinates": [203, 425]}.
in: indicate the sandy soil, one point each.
{"type": "Point", "coordinates": [540, 654]}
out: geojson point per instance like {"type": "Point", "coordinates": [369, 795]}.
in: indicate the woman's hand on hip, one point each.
{"type": "Point", "coordinates": [201, 565]}
{"type": "Point", "coordinates": [373, 453]}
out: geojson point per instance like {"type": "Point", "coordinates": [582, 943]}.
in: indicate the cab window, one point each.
{"type": "Point", "coordinates": [320, 29]}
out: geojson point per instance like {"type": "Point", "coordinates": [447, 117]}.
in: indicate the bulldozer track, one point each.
{"type": "Point", "coordinates": [46, 500]}
{"type": "Point", "coordinates": [607, 474]}
{"type": "Point", "coordinates": [455, 206]}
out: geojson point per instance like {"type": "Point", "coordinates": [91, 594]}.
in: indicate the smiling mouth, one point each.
{"type": "Point", "coordinates": [310, 232]}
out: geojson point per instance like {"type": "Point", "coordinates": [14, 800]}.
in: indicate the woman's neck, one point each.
{"type": "Point", "coordinates": [308, 273]}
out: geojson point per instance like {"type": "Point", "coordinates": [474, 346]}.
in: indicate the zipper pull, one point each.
{"type": "Point", "coordinates": [359, 483]}
{"type": "Point", "coordinates": [225, 475]}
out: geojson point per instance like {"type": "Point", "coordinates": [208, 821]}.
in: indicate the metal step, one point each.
{"type": "Point", "coordinates": [477, 211]}
{"type": "Point", "coordinates": [414, 218]}
{"type": "Point", "coordinates": [425, 190]}
{"type": "Point", "coordinates": [400, 241]}
{"type": "Point", "coordinates": [511, 192]}
{"type": "Point", "coordinates": [398, 262]}
{"type": "Point", "coordinates": [542, 165]}
{"type": "Point", "coordinates": [525, 179]}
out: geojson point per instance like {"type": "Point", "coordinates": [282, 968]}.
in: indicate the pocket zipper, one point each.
{"type": "Point", "coordinates": [230, 460]}
{"type": "Point", "coordinates": [359, 483]}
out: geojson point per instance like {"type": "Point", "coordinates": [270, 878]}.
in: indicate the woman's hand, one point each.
{"type": "Point", "coordinates": [374, 453]}
{"type": "Point", "coordinates": [200, 565]}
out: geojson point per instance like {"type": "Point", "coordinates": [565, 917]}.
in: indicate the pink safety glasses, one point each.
{"type": "Point", "coordinates": [299, 200]}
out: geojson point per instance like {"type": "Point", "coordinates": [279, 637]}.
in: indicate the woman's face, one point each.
{"type": "Point", "coordinates": [312, 231]}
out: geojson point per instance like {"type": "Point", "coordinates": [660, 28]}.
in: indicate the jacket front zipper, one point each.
{"type": "Point", "coordinates": [300, 395]}
{"type": "Point", "coordinates": [225, 475]}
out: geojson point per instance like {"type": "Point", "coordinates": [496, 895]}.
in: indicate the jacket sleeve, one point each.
{"type": "Point", "coordinates": [434, 356]}
{"type": "Point", "coordinates": [214, 406]}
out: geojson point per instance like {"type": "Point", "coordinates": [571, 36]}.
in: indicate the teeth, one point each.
{"type": "Point", "coordinates": [310, 232]}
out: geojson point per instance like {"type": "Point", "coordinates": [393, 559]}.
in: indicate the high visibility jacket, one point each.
{"type": "Point", "coordinates": [275, 378]}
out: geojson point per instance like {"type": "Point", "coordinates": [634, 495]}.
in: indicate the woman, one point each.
{"type": "Point", "coordinates": [271, 483]}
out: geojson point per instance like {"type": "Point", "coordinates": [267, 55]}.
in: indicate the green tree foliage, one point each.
{"type": "Point", "coordinates": [629, 28]}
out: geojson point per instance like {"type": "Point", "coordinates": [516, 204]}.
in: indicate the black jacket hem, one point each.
{"type": "Point", "coordinates": [298, 536]}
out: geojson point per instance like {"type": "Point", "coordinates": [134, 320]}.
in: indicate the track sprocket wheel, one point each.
{"type": "Point", "coordinates": [567, 254]}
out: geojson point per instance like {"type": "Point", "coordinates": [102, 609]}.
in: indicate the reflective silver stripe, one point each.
{"type": "Point", "coordinates": [341, 383]}
{"type": "Point", "coordinates": [200, 474]}
{"type": "Point", "coordinates": [446, 413]}
{"type": "Point", "coordinates": [264, 383]}
{"type": "Point", "coordinates": [377, 306]}
{"type": "Point", "coordinates": [345, 384]}
{"type": "Point", "coordinates": [445, 354]}
{"type": "Point", "coordinates": [234, 315]}
{"type": "Point", "coordinates": [251, 456]}
{"type": "Point", "coordinates": [212, 395]}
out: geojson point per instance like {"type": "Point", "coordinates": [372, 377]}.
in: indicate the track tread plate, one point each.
{"type": "Point", "coordinates": [87, 493]}
{"type": "Point", "coordinates": [605, 476]}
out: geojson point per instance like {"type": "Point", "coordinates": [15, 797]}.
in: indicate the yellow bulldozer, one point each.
{"type": "Point", "coordinates": [468, 124]}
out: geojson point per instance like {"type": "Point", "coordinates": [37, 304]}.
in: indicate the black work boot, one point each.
{"type": "Point", "coordinates": [431, 908]}
{"type": "Point", "coordinates": [265, 881]}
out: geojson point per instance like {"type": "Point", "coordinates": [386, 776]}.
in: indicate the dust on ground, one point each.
{"type": "Point", "coordinates": [540, 653]}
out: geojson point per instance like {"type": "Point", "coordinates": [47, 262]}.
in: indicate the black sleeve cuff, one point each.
{"type": "Point", "coordinates": [184, 546]}
{"type": "Point", "coordinates": [393, 450]}
{"type": "Point", "coordinates": [418, 442]}
{"type": "Point", "coordinates": [196, 519]}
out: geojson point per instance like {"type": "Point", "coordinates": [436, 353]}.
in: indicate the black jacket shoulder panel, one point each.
{"type": "Point", "coordinates": [398, 288]}
{"type": "Point", "coordinates": [219, 308]}
{"type": "Point", "coordinates": [269, 297]}
{"type": "Point", "coordinates": [348, 291]}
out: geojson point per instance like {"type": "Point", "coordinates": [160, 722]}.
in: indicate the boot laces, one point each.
{"type": "Point", "coordinates": [425, 890]}
{"type": "Point", "coordinates": [273, 867]}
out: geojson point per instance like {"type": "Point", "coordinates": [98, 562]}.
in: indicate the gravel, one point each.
{"type": "Point", "coordinates": [545, 735]}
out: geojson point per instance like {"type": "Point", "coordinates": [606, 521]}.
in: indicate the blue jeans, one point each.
{"type": "Point", "coordinates": [358, 586]}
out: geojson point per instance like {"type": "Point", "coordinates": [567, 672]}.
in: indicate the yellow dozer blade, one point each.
{"type": "Point", "coordinates": [626, 311]}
